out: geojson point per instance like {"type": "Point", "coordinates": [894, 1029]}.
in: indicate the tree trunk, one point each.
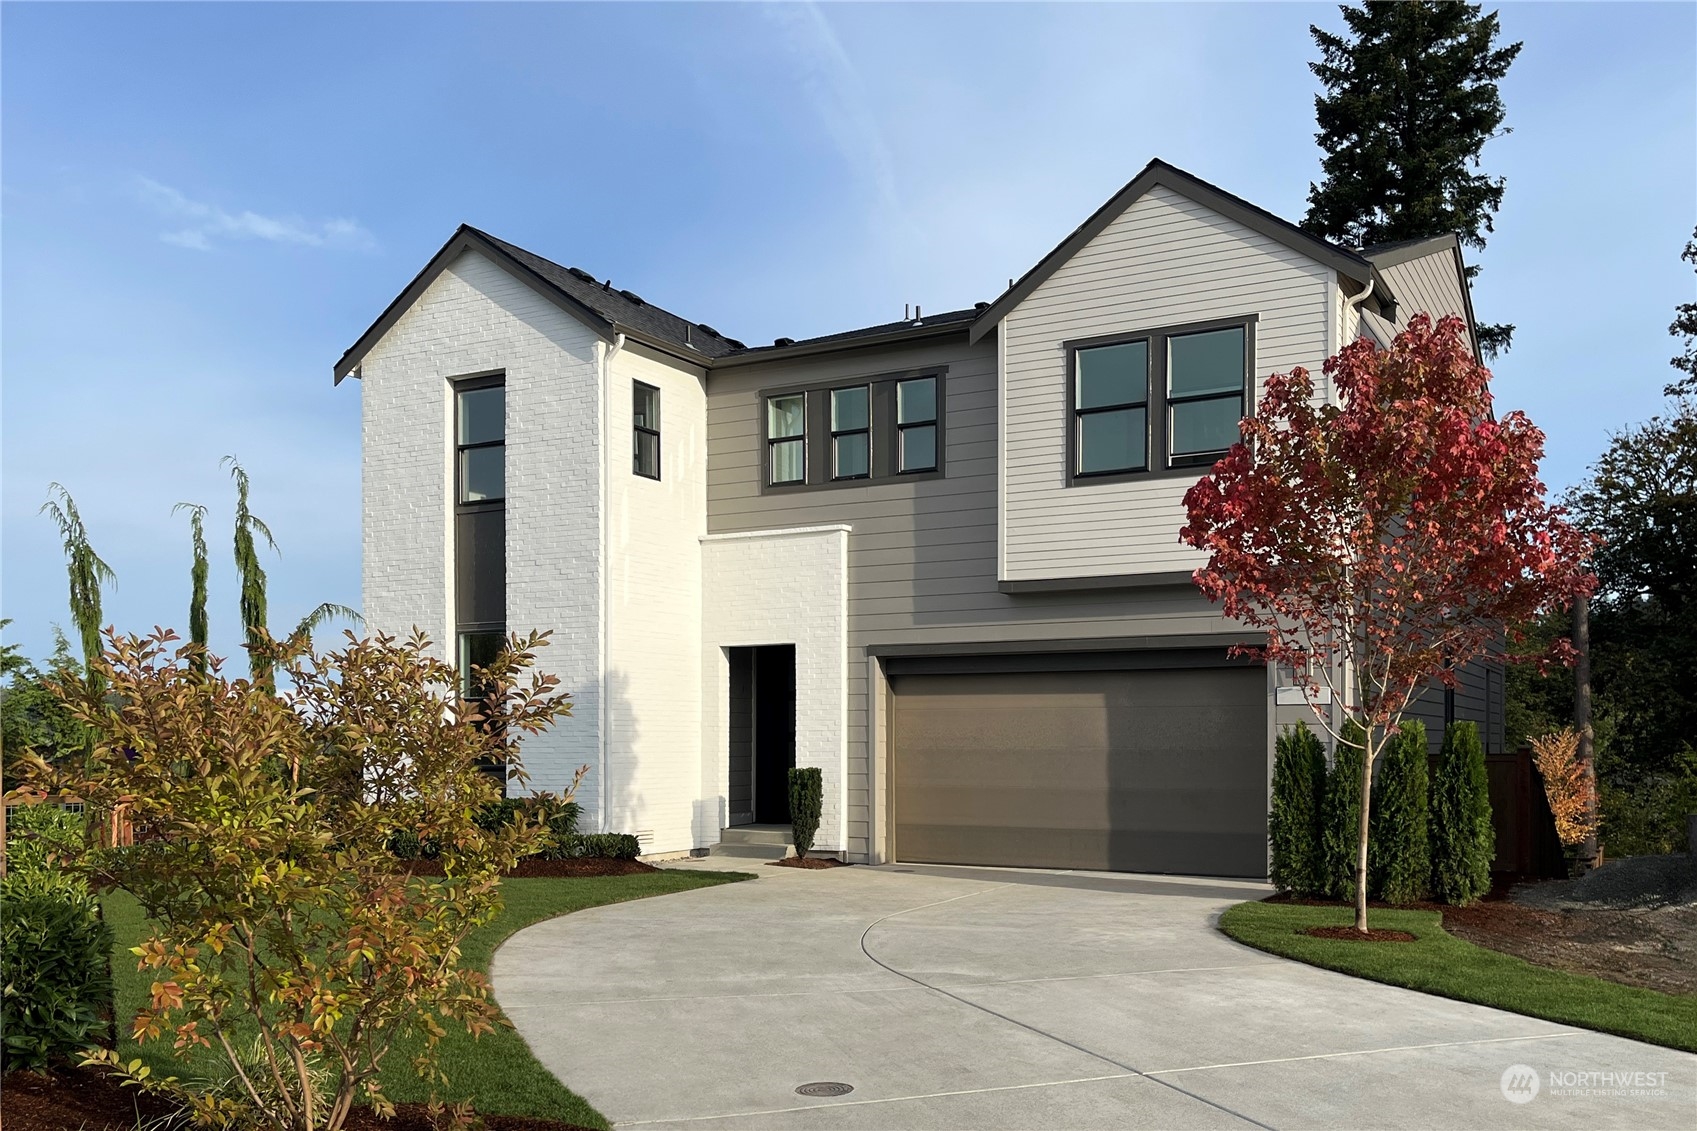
{"type": "Point", "coordinates": [1361, 849]}
{"type": "Point", "coordinates": [1589, 850]}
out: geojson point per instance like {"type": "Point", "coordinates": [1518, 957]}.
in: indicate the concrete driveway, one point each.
{"type": "Point", "coordinates": [989, 998]}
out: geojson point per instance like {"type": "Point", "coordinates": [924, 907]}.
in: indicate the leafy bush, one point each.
{"type": "Point", "coordinates": [807, 799]}
{"type": "Point", "coordinates": [1463, 840]}
{"type": "Point", "coordinates": [1644, 814]}
{"type": "Point", "coordinates": [269, 882]}
{"type": "Point", "coordinates": [1340, 814]}
{"type": "Point", "coordinates": [611, 846]}
{"type": "Point", "coordinates": [55, 950]}
{"type": "Point", "coordinates": [1293, 824]}
{"type": "Point", "coordinates": [1399, 858]}
{"type": "Point", "coordinates": [405, 844]}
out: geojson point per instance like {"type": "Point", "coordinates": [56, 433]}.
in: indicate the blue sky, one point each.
{"type": "Point", "coordinates": [204, 205]}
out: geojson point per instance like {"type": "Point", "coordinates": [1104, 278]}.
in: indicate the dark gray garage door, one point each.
{"type": "Point", "coordinates": [1143, 770]}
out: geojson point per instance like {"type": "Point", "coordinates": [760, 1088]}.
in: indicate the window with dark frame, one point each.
{"type": "Point", "coordinates": [645, 430]}
{"type": "Point", "coordinates": [1111, 409]}
{"type": "Point", "coordinates": [480, 439]}
{"type": "Point", "coordinates": [1204, 394]}
{"type": "Point", "coordinates": [786, 439]}
{"type": "Point", "coordinates": [916, 425]}
{"type": "Point", "coordinates": [851, 433]}
{"type": "Point", "coordinates": [1157, 401]}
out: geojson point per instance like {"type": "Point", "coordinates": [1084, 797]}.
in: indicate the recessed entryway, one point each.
{"type": "Point", "coordinates": [762, 733]}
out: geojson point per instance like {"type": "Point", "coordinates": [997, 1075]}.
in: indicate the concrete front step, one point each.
{"type": "Point", "coordinates": [779, 835]}
{"type": "Point", "coordinates": [751, 851]}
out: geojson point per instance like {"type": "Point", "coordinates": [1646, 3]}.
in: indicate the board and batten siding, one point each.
{"type": "Point", "coordinates": [922, 554]}
{"type": "Point", "coordinates": [1164, 261]}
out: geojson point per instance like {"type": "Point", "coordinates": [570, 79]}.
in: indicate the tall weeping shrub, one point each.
{"type": "Point", "coordinates": [199, 568]}
{"type": "Point", "coordinates": [1293, 823]}
{"type": "Point", "coordinates": [1340, 814]}
{"type": "Point", "coordinates": [1399, 863]}
{"type": "Point", "coordinates": [807, 796]}
{"type": "Point", "coordinates": [1464, 841]}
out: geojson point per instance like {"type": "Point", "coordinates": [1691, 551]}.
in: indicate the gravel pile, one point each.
{"type": "Point", "coordinates": [1633, 883]}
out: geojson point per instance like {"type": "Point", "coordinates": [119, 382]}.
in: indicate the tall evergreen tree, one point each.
{"type": "Point", "coordinates": [85, 571]}
{"type": "Point", "coordinates": [198, 571]}
{"type": "Point", "coordinates": [1410, 101]}
{"type": "Point", "coordinates": [1464, 841]}
{"type": "Point", "coordinates": [1296, 861]}
{"type": "Point", "coordinates": [1684, 327]}
{"type": "Point", "coordinates": [252, 576]}
{"type": "Point", "coordinates": [1399, 860]}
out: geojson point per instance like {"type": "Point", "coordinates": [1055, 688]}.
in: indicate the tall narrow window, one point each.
{"type": "Point", "coordinates": [851, 433]}
{"type": "Point", "coordinates": [1111, 409]}
{"type": "Point", "coordinates": [481, 442]}
{"type": "Point", "coordinates": [645, 430]}
{"type": "Point", "coordinates": [786, 444]}
{"type": "Point", "coordinates": [916, 424]}
{"type": "Point", "coordinates": [1204, 394]}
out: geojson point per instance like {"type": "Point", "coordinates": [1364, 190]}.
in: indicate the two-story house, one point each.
{"type": "Point", "coordinates": [937, 558]}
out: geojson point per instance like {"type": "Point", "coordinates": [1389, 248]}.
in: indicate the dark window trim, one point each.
{"type": "Point", "coordinates": [835, 434]}
{"type": "Point", "coordinates": [493, 379]}
{"type": "Point", "coordinates": [1157, 410]}
{"type": "Point", "coordinates": [816, 414]}
{"type": "Point", "coordinates": [638, 429]}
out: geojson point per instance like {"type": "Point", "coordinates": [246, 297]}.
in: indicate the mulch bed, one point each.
{"type": "Point", "coordinates": [1653, 949]}
{"type": "Point", "coordinates": [535, 868]}
{"type": "Point", "coordinates": [807, 862]}
{"type": "Point", "coordinates": [1371, 934]}
{"type": "Point", "coordinates": [86, 1099]}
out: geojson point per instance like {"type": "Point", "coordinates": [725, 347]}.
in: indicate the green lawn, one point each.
{"type": "Point", "coordinates": [1439, 963]}
{"type": "Point", "coordinates": [496, 1072]}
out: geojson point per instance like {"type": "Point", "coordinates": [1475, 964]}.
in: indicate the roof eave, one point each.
{"type": "Point", "coordinates": [805, 349]}
{"type": "Point", "coordinates": [1159, 173]}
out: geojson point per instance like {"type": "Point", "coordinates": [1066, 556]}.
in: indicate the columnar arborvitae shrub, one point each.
{"type": "Point", "coordinates": [55, 950]}
{"type": "Point", "coordinates": [1399, 860]}
{"type": "Point", "coordinates": [1293, 823]}
{"type": "Point", "coordinates": [1464, 841]}
{"type": "Point", "coordinates": [807, 799]}
{"type": "Point", "coordinates": [1340, 814]}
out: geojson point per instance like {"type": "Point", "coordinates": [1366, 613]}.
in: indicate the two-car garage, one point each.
{"type": "Point", "coordinates": [1131, 761]}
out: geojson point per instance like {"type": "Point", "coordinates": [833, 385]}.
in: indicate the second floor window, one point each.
{"type": "Point", "coordinates": [916, 425]}
{"type": "Point", "coordinates": [645, 430]}
{"type": "Point", "coordinates": [851, 433]}
{"type": "Point", "coordinates": [1111, 409]}
{"type": "Point", "coordinates": [1204, 394]}
{"type": "Point", "coordinates": [480, 443]}
{"type": "Point", "coordinates": [786, 439]}
{"type": "Point", "coordinates": [877, 429]}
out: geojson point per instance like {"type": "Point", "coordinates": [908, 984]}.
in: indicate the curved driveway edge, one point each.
{"type": "Point", "coordinates": [965, 997]}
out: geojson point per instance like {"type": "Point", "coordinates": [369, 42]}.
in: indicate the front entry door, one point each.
{"type": "Point", "coordinates": [762, 733]}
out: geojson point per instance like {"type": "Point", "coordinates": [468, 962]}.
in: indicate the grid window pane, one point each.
{"type": "Point", "coordinates": [851, 409]}
{"type": "Point", "coordinates": [1198, 364]}
{"type": "Point", "coordinates": [853, 455]}
{"type": "Point", "coordinates": [645, 407]}
{"type": "Point", "coordinates": [1111, 441]}
{"type": "Point", "coordinates": [786, 416]}
{"type": "Point", "coordinates": [1206, 426]}
{"type": "Point", "coordinates": [483, 474]}
{"type": "Point", "coordinates": [919, 448]}
{"type": "Point", "coordinates": [482, 415]}
{"type": "Point", "coordinates": [1113, 375]}
{"type": "Point", "coordinates": [648, 454]}
{"type": "Point", "coordinates": [789, 461]}
{"type": "Point", "coordinates": [916, 401]}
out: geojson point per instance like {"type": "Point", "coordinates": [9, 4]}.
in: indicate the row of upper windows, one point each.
{"type": "Point", "coordinates": [1161, 399]}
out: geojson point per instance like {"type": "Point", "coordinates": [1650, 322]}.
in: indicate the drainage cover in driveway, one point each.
{"type": "Point", "coordinates": [824, 1088]}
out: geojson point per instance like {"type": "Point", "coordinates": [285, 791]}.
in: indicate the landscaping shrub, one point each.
{"type": "Point", "coordinates": [612, 846]}
{"type": "Point", "coordinates": [1644, 814]}
{"type": "Point", "coordinates": [1340, 814]}
{"type": "Point", "coordinates": [1463, 840]}
{"type": "Point", "coordinates": [1399, 859]}
{"type": "Point", "coordinates": [55, 950]}
{"type": "Point", "coordinates": [1293, 823]}
{"type": "Point", "coordinates": [807, 798]}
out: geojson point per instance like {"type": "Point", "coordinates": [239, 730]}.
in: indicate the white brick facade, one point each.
{"type": "Point", "coordinates": [783, 587]}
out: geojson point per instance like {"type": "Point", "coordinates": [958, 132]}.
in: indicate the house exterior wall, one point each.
{"type": "Point", "coordinates": [477, 318]}
{"type": "Point", "coordinates": [1165, 261]}
{"type": "Point", "coordinates": [654, 607]}
{"type": "Point", "coordinates": [778, 587]}
{"type": "Point", "coordinates": [1431, 284]}
{"type": "Point", "coordinates": [921, 554]}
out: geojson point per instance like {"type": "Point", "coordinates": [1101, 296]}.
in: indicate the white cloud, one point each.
{"type": "Point", "coordinates": [205, 224]}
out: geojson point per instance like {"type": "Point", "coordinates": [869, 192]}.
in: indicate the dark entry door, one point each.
{"type": "Point", "coordinates": [762, 733]}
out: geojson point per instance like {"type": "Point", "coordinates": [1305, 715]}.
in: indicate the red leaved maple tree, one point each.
{"type": "Point", "coordinates": [1386, 537]}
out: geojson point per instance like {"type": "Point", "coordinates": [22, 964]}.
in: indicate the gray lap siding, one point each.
{"type": "Point", "coordinates": [923, 553]}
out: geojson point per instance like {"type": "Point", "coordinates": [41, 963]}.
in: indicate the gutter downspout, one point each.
{"type": "Point", "coordinates": [608, 353]}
